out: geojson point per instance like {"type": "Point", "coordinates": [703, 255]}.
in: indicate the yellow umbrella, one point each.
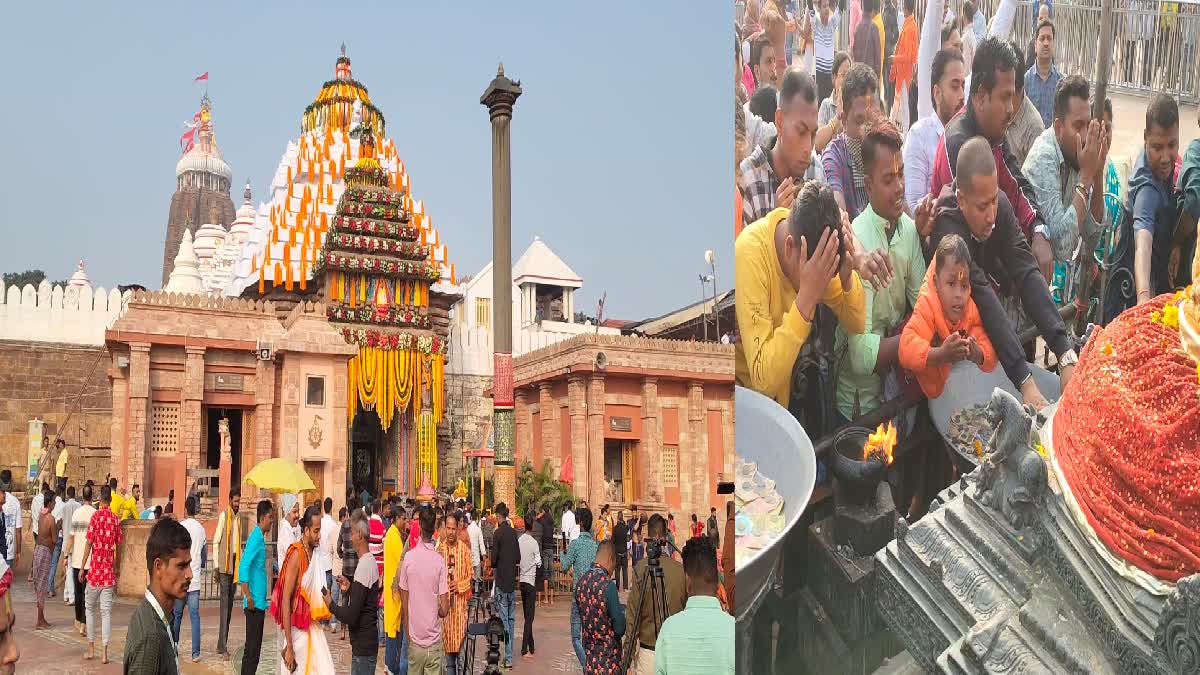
{"type": "Point", "coordinates": [279, 476]}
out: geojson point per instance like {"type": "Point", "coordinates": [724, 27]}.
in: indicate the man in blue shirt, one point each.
{"type": "Point", "coordinates": [253, 577]}
{"type": "Point", "coordinates": [1041, 81]}
{"type": "Point", "coordinates": [579, 558]}
{"type": "Point", "coordinates": [1152, 201]}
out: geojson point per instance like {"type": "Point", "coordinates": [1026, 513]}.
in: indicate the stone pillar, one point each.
{"type": "Point", "coordinates": [650, 457]}
{"type": "Point", "coordinates": [339, 444]}
{"type": "Point", "coordinates": [693, 455]}
{"type": "Point", "coordinates": [577, 409]}
{"type": "Point", "coordinates": [549, 421]}
{"type": "Point", "coordinates": [595, 435]}
{"type": "Point", "coordinates": [499, 98]}
{"type": "Point", "coordinates": [190, 420]}
{"type": "Point", "coordinates": [139, 413]}
{"type": "Point", "coordinates": [120, 418]}
{"type": "Point", "coordinates": [522, 444]}
{"type": "Point", "coordinates": [264, 403]}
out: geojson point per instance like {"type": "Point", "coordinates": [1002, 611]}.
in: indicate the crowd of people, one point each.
{"type": "Point", "coordinates": [932, 193]}
{"type": "Point", "coordinates": [391, 575]}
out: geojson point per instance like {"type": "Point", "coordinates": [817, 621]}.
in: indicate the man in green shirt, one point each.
{"type": "Point", "coordinates": [700, 638]}
{"type": "Point", "coordinates": [867, 358]}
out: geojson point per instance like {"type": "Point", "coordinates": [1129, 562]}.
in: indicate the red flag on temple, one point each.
{"type": "Point", "coordinates": [202, 77]}
{"type": "Point", "coordinates": [187, 140]}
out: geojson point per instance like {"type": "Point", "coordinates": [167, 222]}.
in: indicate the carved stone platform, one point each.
{"type": "Point", "coordinates": [965, 593]}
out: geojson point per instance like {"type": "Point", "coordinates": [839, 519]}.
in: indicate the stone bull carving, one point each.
{"type": "Point", "coordinates": [1012, 476]}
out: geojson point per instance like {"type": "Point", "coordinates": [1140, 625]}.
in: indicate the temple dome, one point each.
{"type": "Point", "coordinates": [80, 278]}
{"type": "Point", "coordinates": [202, 161]}
{"type": "Point", "coordinates": [246, 215]}
{"type": "Point", "coordinates": [185, 277]}
{"type": "Point", "coordinates": [208, 239]}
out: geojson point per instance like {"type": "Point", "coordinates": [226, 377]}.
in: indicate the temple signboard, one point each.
{"type": "Point", "coordinates": [620, 424]}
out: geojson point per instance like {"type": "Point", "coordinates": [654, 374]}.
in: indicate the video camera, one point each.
{"type": "Point", "coordinates": [493, 630]}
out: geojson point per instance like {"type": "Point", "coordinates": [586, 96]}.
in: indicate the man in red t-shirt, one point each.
{"type": "Point", "coordinates": [103, 535]}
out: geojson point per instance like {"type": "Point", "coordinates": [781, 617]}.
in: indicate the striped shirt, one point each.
{"type": "Point", "coordinates": [823, 37]}
{"type": "Point", "coordinates": [375, 543]}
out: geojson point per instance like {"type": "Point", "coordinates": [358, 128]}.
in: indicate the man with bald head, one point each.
{"type": "Point", "coordinates": [1002, 265]}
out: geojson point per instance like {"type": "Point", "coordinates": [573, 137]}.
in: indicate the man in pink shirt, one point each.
{"type": "Point", "coordinates": [424, 599]}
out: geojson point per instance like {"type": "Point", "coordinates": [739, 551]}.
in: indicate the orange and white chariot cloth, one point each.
{"type": "Point", "coordinates": [308, 608]}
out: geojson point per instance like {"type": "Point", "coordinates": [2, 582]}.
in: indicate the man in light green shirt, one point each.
{"type": "Point", "coordinates": [866, 359]}
{"type": "Point", "coordinates": [700, 638]}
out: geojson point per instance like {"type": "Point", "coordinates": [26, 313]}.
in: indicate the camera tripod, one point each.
{"type": "Point", "coordinates": [482, 620]}
{"type": "Point", "coordinates": [657, 594]}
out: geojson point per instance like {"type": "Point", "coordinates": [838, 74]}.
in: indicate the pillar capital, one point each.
{"type": "Point", "coordinates": [193, 350]}
{"type": "Point", "coordinates": [139, 347]}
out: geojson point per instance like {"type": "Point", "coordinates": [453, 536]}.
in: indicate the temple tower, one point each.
{"type": "Point", "coordinates": [201, 190]}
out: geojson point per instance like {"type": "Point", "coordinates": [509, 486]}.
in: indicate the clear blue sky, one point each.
{"type": "Point", "coordinates": [621, 152]}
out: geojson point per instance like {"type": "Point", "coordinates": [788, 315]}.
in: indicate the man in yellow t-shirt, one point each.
{"type": "Point", "coordinates": [393, 556]}
{"type": "Point", "coordinates": [785, 266]}
{"type": "Point", "coordinates": [124, 506]}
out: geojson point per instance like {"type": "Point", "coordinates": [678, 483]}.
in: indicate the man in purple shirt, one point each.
{"type": "Point", "coordinates": [842, 159]}
{"type": "Point", "coordinates": [424, 599]}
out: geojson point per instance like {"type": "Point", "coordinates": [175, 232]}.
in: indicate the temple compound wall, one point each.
{"type": "Point", "coordinates": [200, 383]}
{"type": "Point", "coordinates": [57, 314]}
{"type": "Point", "coordinates": [465, 423]}
{"type": "Point", "coordinates": [629, 420]}
{"type": "Point", "coordinates": [66, 387]}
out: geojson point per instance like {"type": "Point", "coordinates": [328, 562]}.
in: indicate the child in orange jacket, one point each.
{"type": "Point", "coordinates": [945, 327]}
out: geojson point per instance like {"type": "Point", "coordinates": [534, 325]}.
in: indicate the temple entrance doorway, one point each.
{"type": "Point", "coordinates": [619, 470]}
{"type": "Point", "coordinates": [212, 443]}
{"type": "Point", "coordinates": [367, 440]}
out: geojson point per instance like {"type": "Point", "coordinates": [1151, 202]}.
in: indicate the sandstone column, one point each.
{"type": "Point", "coordinates": [549, 421]}
{"type": "Point", "coordinates": [522, 435]}
{"type": "Point", "coordinates": [650, 457]}
{"type": "Point", "coordinates": [120, 421]}
{"type": "Point", "coordinates": [264, 400]}
{"type": "Point", "coordinates": [595, 435]}
{"type": "Point", "coordinates": [693, 455]}
{"type": "Point", "coordinates": [190, 419]}
{"type": "Point", "coordinates": [139, 413]}
{"type": "Point", "coordinates": [499, 98]}
{"type": "Point", "coordinates": [577, 408]}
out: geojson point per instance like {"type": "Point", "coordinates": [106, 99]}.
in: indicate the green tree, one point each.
{"type": "Point", "coordinates": [19, 279]}
{"type": "Point", "coordinates": [537, 487]}
{"type": "Point", "coordinates": [31, 277]}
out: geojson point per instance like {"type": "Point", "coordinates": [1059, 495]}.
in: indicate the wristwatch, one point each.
{"type": "Point", "coordinates": [1068, 358]}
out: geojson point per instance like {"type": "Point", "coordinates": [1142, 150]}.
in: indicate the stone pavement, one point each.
{"type": "Point", "coordinates": [60, 650]}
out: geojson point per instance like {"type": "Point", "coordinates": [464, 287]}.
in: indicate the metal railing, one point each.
{"type": "Point", "coordinates": [1154, 42]}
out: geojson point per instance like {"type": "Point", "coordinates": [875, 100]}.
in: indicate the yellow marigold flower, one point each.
{"type": "Point", "coordinates": [1108, 349]}
{"type": "Point", "coordinates": [1170, 316]}
{"type": "Point", "coordinates": [1041, 449]}
{"type": "Point", "coordinates": [1178, 296]}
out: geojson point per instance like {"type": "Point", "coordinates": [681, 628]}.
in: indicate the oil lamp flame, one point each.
{"type": "Point", "coordinates": [882, 442]}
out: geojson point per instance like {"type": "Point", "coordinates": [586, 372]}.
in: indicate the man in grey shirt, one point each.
{"type": "Point", "coordinates": [531, 560]}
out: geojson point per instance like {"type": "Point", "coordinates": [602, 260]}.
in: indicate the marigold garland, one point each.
{"type": "Point", "coordinates": [377, 228]}
{"type": "Point", "coordinates": [385, 380]}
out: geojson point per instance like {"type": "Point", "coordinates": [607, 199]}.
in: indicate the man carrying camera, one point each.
{"type": "Point", "coordinates": [673, 590]}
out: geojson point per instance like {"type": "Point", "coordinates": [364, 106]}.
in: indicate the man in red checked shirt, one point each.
{"type": "Point", "coordinates": [103, 535]}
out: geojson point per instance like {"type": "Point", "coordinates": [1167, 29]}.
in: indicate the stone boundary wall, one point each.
{"type": "Point", "coordinates": [471, 349]}
{"type": "Point", "coordinates": [57, 314]}
{"type": "Point", "coordinates": [64, 385]}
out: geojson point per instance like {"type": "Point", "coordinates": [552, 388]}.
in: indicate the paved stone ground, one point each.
{"type": "Point", "coordinates": [60, 650]}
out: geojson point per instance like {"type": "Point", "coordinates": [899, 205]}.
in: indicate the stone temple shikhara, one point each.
{"type": "Point", "coordinates": [314, 327]}
{"type": "Point", "coordinates": [1075, 547]}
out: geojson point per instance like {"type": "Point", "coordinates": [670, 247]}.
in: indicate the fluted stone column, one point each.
{"type": "Point", "coordinates": [693, 456]}
{"type": "Point", "coordinates": [523, 438]}
{"type": "Point", "coordinates": [264, 400]}
{"type": "Point", "coordinates": [190, 419]}
{"type": "Point", "coordinates": [595, 433]}
{"type": "Point", "coordinates": [549, 421]}
{"type": "Point", "coordinates": [577, 409]}
{"type": "Point", "coordinates": [139, 413]}
{"type": "Point", "coordinates": [499, 98]}
{"type": "Point", "coordinates": [650, 457]}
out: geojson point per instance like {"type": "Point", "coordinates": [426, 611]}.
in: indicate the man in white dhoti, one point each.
{"type": "Point", "coordinates": [297, 604]}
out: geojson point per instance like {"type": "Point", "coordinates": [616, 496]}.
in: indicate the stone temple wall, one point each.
{"type": "Point", "coordinates": [464, 423]}
{"type": "Point", "coordinates": [56, 314]}
{"type": "Point", "coordinates": [67, 387]}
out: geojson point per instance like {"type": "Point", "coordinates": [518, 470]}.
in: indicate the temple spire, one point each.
{"type": "Point", "coordinates": [185, 278]}
{"type": "Point", "coordinates": [246, 193]}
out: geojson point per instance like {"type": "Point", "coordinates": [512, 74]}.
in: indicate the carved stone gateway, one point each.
{"type": "Point", "coordinates": [999, 578]}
